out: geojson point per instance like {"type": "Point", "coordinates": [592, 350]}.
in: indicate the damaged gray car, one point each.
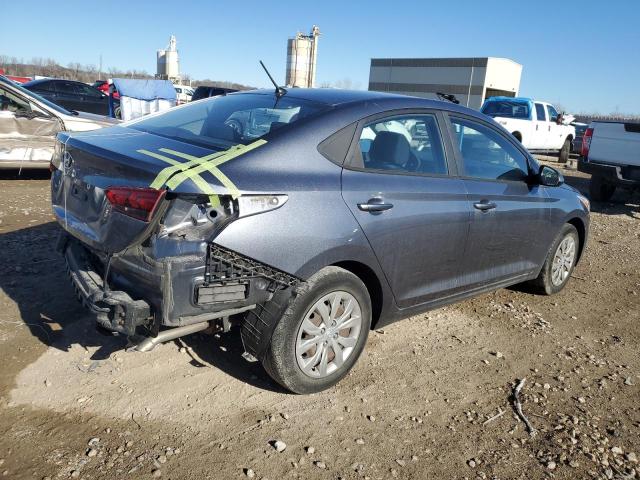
{"type": "Point", "coordinates": [306, 218]}
{"type": "Point", "coordinates": [29, 124]}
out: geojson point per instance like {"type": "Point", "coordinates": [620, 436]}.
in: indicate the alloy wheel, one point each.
{"type": "Point", "coordinates": [328, 334]}
{"type": "Point", "coordinates": [563, 260]}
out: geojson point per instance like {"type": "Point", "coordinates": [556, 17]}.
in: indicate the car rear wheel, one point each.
{"type": "Point", "coordinates": [560, 262]}
{"type": "Point", "coordinates": [322, 332]}
{"type": "Point", "coordinates": [600, 190]}
{"type": "Point", "coordinates": [565, 151]}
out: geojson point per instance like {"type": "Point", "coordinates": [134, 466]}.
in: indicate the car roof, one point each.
{"type": "Point", "coordinates": [346, 98]}
{"type": "Point", "coordinates": [45, 80]}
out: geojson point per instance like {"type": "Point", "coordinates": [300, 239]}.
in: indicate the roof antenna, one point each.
{"type": "Point", "coordinates": [448, 97]}
{"type": "Point", "coordinates": [280, 92]}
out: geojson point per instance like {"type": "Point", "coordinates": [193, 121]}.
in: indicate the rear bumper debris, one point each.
{"type": "Point", "coordinates": [114, 310]}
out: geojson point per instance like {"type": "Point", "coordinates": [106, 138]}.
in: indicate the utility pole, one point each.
{"type": "Point", "coordinates": [100, 71]}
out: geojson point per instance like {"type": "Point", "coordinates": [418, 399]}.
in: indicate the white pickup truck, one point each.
{"type": "Point", "coordinates": [611, 154]}
{"type": "Point", "coordinates": [538, 125]}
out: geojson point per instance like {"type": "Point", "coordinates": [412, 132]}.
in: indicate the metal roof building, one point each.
{"type": "Point", "coordinates": [471, 80]}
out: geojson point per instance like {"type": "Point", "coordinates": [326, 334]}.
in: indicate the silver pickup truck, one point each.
{"type": "Point", "coordinates": [611, 154]}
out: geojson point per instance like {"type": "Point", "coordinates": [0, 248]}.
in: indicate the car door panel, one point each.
{"type": "Point", "coordinates": [24, 137]}
{"type": "Point", "coordinates": [415, 221]}
{"type": "Point", "coordinates": [502, 240]}
{"type": "Point", "coordinates": [541, 128]}
{"type": "Point", "coordinates": [508, 227]}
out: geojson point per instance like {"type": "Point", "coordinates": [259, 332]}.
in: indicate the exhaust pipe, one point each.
{"type": "Point", "coordinates": [149, 343]}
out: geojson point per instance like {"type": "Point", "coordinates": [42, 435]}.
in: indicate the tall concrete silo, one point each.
{"type": "Point", "coordinates": [302, 53]}
{"type": "Point", "coordinates": [168, 62]}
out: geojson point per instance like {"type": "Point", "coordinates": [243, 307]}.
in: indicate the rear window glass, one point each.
{"type": "Point", "coordinates": [506, 108]}
{"type": "Point", "coordinates": [222, 122]}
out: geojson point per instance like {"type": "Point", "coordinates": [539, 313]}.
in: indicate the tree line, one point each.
{"type": "Point", "coordinates": [48, 67]}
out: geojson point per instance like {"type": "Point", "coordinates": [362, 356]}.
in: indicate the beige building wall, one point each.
{"type": "Point", "coordinates": [466, 78]}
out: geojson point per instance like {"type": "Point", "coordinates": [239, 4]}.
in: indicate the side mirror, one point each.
{"type": "Point", "coordinates": [550, 177]}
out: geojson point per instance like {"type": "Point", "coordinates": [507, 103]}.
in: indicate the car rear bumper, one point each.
{"type": "Point", "coordinates": [113, 310]}
{"type": "Point", "coordinates": [618, 174]}
{"type": "Point", "coordinates": [173, 292]}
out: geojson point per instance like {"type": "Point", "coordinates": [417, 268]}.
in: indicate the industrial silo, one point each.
{"type": "Point", "coordinates": [168, 63]}
{"type": "Point", "coordinates": [302, 52]}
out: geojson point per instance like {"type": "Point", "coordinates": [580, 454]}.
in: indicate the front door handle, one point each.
{"type": "Point", "coordinates": [484, 205]}
{"type": "Point", "coordinates": [375, 204]}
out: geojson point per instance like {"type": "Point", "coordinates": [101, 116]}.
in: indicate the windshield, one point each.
{"type": "Point", "coordinates": [223, 122]}
{"type": "Point", "coordinates": [47, 103]}
{"type": "Point", "coordinates": [507, 108]}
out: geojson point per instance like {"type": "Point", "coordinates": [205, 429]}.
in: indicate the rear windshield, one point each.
{"type": "Point", "coordinates": [222, 122]}
{"type": "Point", "coordinates": [506, 108]}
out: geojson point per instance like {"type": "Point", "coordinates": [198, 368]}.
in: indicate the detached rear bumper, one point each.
{"type": "Point", "coordinates": [175, 292]}
{"type": "Point", "coordinates": [618, 174]}
{"type": "Point", "coordinates": [114, 310]}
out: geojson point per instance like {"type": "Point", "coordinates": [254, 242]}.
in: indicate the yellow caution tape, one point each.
{"type": "Point", "coordinates": [178, 172]}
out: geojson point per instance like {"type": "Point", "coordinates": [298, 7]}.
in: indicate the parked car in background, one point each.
{"type": "Point", "coordinates": [296, 232]}
{"type": "Point", "coordinates": [72, 95]}
{"type": "Point", "coordinates": [29, 124]}
{"type": "Point", "coordinates": [103, 86]}
{"type": "Point", "coordinates": [183, 94]}
{"type": "Point", "coordinates": [537, 125]}
{"type": "Point", "coordinates": [206, 92]}
{"type": "Point", "coordinates": [611, 154]}
{"type": "Point", "coordinates": [577, 141]}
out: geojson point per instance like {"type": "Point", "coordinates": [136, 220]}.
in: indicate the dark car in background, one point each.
{"type": "Point", "coordinates": [72, 95]}
{"type": "Point", "coordinates": [326, 214]}
{"type": "Point", "coordinates": [206, 92]}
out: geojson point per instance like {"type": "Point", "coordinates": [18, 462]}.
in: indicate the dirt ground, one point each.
{"type": "Point", "coordinates": [429, 399]}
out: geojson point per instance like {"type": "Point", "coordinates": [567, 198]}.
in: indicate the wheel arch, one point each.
{"type": "Point", "coordinates": [371, 281]}
{"type": "Point", "coordinates": [578, 223]}
{"type": "Point", "coordinates": [517, 135]}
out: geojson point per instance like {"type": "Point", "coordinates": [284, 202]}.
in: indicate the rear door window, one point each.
{"type": "Point", "coordinates": [540, 113]}
{"type": "Point", "coordinates": [408, 144]}
{"type": "Point", "coordinates": [486, 154]}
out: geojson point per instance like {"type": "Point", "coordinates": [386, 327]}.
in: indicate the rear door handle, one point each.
{"type": "Point", "coordinates": [375, 205]}
{"type": "Point", "coordinates": [484, 205]}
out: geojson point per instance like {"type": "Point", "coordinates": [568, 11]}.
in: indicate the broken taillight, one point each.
{"type": "Point", "coordinates": [135, 202]}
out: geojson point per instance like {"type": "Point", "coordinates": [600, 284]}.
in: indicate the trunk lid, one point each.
{"type": "Point", "coordinates": [88, 163]}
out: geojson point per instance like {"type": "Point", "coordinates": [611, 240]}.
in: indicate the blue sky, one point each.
{"type": "Point", "coordinates": [583, 55]}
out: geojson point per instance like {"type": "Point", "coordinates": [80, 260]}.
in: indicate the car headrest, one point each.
{"type": "Point", "coordinates": [389, 147]}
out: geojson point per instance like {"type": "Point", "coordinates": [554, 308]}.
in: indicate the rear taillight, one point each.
{"type": "Point", "coordinates": [586, 142]}
{"type": "Point", "coordinates": [135, 202]}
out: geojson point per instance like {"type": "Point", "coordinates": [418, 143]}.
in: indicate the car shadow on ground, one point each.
{"type": "Point", "coordinates": [34, 276]}
{"type": "Point", "coordinates": [25, 174]}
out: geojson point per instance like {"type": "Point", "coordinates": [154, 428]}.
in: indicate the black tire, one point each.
{"type": "Point", "coordinates": [544, 282]}
{"type": "Point", "coordinates": [280, 357]}
{"type": "Point", "coordinates": [517, 136]}
{"type": "Point", "coordinates": [600, 190]}
{"type": "Point", "coordinates": [565, 151]}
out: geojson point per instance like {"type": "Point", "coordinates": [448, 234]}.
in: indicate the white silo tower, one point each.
{"type": "Point", "coordinates": [302, 52]}
{"type": "Point", "coordinates": [168, 62]}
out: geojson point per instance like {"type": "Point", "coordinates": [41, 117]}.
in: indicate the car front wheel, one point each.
{"type": "Point", "coordinates": [560, 262]}
{"type": "Point", "coordinates": [322, 332]}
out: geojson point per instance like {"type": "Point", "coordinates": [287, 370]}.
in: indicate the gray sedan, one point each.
{"type": "Point", "coordinates": [307, 218]}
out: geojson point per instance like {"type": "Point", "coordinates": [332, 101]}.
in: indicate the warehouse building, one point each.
{"type": "Point", "coordinates": [471, 80]}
